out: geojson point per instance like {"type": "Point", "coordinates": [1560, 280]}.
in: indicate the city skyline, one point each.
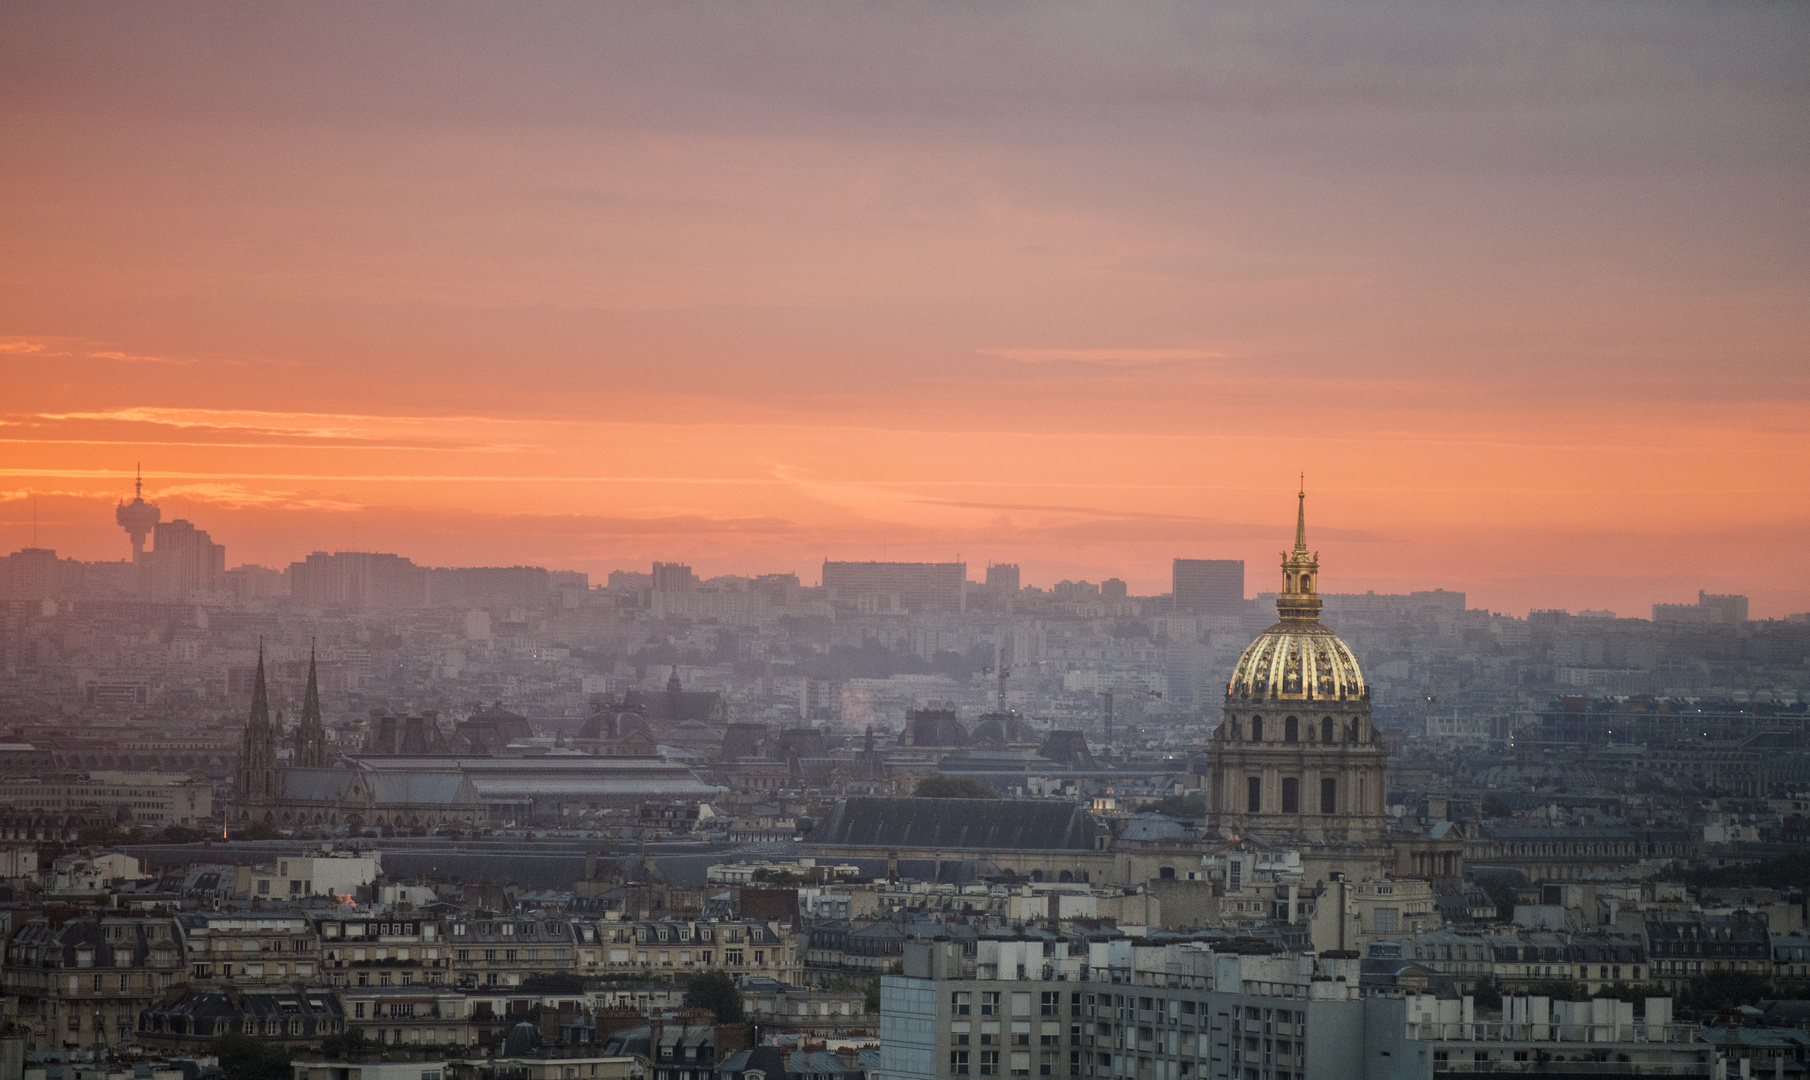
{"type": "Point", "coordinates": [977, 573]}
{"type": "Point", "coordinates": [911, 541]}
{"type": "Point", "coordinates": [1524, 296]}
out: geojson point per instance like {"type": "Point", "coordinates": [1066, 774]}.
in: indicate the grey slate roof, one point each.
{"type": "Point", "coordinates": [1156, 827]}
{"type": "Point", "coordinates": [448, 788]}
{"type": "Point", "coordinates": [316, 785]}
{"type": "Point", "coordinates": [556, 776]}
{"type": "Point", "coordinates": [990, 824]}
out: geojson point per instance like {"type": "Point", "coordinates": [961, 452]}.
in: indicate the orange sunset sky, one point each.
{"type": "Point", "coordinates": [1522, 288]}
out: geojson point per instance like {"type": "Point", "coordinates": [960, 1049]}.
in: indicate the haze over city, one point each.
{"type": "Point", "coordinates": [1522, 290]}
{"type": "Point", "coordinates": [908, 541]}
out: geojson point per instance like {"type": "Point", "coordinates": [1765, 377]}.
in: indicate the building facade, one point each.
{"type": "Point", "coordinates": [154, 799]}
{"type": "Point", "coordinates": [1296, 758]}
{"type": "Point", "coordinates": [884, 587]}
{"type": "Point", "coordinates": [248, 948]}
{"type": "Point", "coordinates": [1149, 1011]}
{"type": "Point", "coordinates": [84, 982]}
{"type": "Point", "coordinates": [1211, 587]}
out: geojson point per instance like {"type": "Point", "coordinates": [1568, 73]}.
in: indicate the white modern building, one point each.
{"type": "Point", "coordinates": [1129, 1009]}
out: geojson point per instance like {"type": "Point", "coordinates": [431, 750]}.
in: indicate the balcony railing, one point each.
{"type": "Point", "coordinates": [1576, 1068]}
{"type": "Point", "coordinates": [1484, 1031]}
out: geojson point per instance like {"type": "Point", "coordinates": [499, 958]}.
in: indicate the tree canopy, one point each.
{"type": "Point", "coordinates": [246, 1057]}
{"type": "Point", "coordinates": [1193, 805]}
{"type": "Point", "coordinates": [715, 990]}
{"type": "Point", "coordinates": [347, 1045]}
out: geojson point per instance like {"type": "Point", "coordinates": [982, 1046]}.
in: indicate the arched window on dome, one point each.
{"type": "Point", "coordinates": [1291, 795]}
{"type": "Point", "coordinates": [1329, 795]}
{"type": "Point", "coordinates": [1291, 730]}
{"type": "Point", "coordinates": [1326, 729]}
{"type": "Point", "coordinates": [1253, 794]}
{"type": "Point", "coordinates": [1256, 729]}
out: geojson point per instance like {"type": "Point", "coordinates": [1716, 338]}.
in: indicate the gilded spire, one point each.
{"type": "Point", "coordinates": [1301, 519]}
{"type": "Point", "coordinates": [1300, 601]}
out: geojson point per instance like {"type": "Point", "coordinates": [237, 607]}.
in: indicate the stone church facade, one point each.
{"type": "Point", "coordinates": [310, 792]}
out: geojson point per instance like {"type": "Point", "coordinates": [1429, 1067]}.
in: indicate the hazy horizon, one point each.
{"type": "Point", "coordinates": [1522, 289]}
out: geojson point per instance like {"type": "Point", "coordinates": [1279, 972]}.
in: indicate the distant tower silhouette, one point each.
{"type": "Point", "coordinates": [310, 737]}
{"type": "Point", "coordinates": [257, 778]}
{"type": "Point", "coordinates": [138, 518]}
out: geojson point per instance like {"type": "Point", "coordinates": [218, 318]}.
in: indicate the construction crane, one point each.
{"type": "Point", "coordinates": [1004, 669]}
{"type": "Point", "coordinates": [1106, 696]}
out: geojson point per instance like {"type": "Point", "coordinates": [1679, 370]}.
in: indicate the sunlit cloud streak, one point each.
{"type": "Point", "coordinates": [129, 358]}
{"type": "Point", "coordinates": [1108, 357]}
{"type": "Point", "coordinates": [1524, 290]}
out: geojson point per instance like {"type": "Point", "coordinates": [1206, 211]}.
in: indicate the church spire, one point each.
{"type": "Point", "coordinates": [258, 753]}
{"type": "Point", "coordinates": [311, 698]}
{"type": "Point", "coordinates": [310, 737]}
{"type": "Point", "coordinates": [260, 697]}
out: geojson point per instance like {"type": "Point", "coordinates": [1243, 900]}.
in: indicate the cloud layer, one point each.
{"type": "Point", "coordinates": [1522, 288]}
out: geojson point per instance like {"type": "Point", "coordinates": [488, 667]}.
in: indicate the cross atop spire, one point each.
{"type": "Point", "coordinates": [1301, 518]}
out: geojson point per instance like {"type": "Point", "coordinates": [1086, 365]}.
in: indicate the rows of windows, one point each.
{"type": "Point", "coordinates": [1330, 731]}
{"type": "Point", "coordinates": [1291, 795]}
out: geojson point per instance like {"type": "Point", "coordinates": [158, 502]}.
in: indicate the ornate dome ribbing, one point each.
{"type": "Point", "coordinates": [1298, 659]}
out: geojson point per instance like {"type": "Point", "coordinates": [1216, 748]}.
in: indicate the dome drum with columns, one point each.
{"type": "Point", "coordinates": [1296, 757]}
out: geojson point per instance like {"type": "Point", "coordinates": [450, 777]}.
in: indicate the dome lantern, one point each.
{"type": "Point", "coordinates": [1298, 659]}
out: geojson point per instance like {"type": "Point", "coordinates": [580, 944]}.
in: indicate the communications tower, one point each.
{"type": "Point", "coordinates": [138, 517]}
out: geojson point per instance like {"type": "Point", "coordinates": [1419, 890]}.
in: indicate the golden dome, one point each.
{"type": "Point", "coordinates": [1298, 659]}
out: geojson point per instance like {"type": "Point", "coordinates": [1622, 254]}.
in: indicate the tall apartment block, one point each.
{"type": "Point", "coordinates": [1209, 587]}
{"type": "Point", "coordinates": [889, 587]}
{"type": "Point", "coordinates": [184, 562]}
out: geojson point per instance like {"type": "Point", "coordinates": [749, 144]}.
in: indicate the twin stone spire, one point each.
{"type": "Point", "coordinates": [259, 750]}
